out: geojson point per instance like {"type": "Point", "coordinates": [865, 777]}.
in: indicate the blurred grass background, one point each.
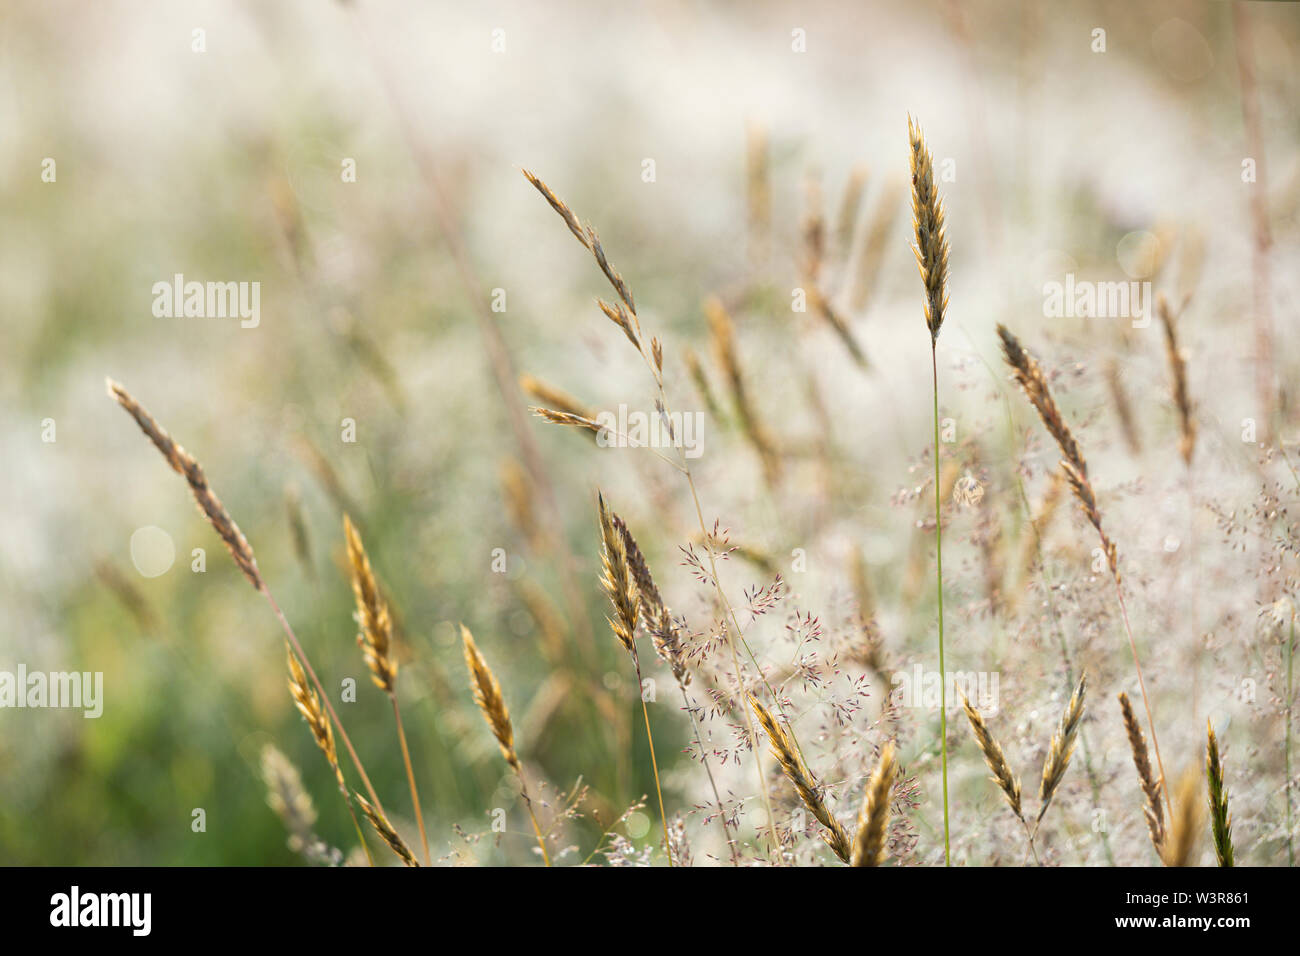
{"type": "Point", "coordinates": [225, 166]}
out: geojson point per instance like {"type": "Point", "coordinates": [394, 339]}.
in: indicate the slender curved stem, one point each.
{"type": "Point", "coordinates": [938, 574]}
{"type": "Point", "coordinates": [338, 724]}
{"type": "Point", "coordinates": [654, 763]}
{"type": "Point", "coordinates": [410, 776]}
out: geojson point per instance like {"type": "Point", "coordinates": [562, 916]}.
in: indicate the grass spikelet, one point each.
{"type": "Point", "coordinates": [555, 417]}
{"type": "Point", "coordinates": [184, 464]}
{"type": "Point", "coordinates": [658, 619]}
{"type": "Point", "coordinates": [1062, 747]}
{"type": "Point", "coordinates": [1220, 817]}
{"type": "Point", "coordinates": [1185, 826]}
{"type": "Point", "coordinates": [616, 579]}
{"type": "Point", "coordinates": [1151, 787]}
{"type": "Point", "coordinates": [1123, 407]}
{"type": "Point", "coordinates": [555, 398]}
{"type": "Point", "coordinates": [487, 694]}
{"type": "Point", "coordinates": [298, 528]}
{"type": "Point", "coordinates": [376, 637]}
{"type": "Point", "coordinates": [620, 317]}
{"type": "Point", "coordinates": [1029, 376]}
{"type": "Point", "coordinates": [379, 821]}
{"type": "Point", "coordinates": [1178, 369]}
{"type": "Point", "coordinates": [996, 760]}
{"type": "Point", "coordinates": [758, 191]}
{"type": "Point", "coordinates": [873, 819]}
{"type": "Point", "coordinates": [308, 704]}
{"type": "Point", "coordinates": [292, 803]}
{"type": "Point", "coordinates": [559, 206]}
{"type": "Point", "coordinates": [931, 247]}
{"type": "Point", "coordinates": [722, 332]}
{"type": "Point", "coordinates": [784, 751]}
{"type": "Point", "coordinates": [587, 236]}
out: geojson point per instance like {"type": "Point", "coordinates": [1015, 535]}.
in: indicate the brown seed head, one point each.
{"type": "Point", "coordinates": [1151, 786]}
{"type": "Point", "coordinates": [616, 579]}
{"type": "Point", "coordinates": [386, 832]}
{"type": "Point", "coordinates": [184, 464]}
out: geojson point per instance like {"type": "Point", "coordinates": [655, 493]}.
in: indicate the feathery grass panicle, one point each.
{"type": "Point", "coordinates": [379, 821]}
{"type": "Point", "coordinates": [184, 464]}
{"type": "Point", "coordinates": [616, 579]}
{"type": "Point", "coordinates": [1185, 827]}
{"type": "Point", "coordinates": [376, 637]}
{"type": "Point", "coordinates": [1062, 747]}
{"type": "Point", "coordinates": [993, 756]}
{"type": "Point", "coordinates": [931, 247]}
{"type": "Point", "coordinates": [308, 704]}
{"type": "Point", "coordinates": [1151, 786]}
{"type": "Point", "coordinates": [1220, 817]}
{"type": "Point", "coordinates": [784, 751]}
{"type": "Point", "coordinates": [873, 819]}
{"type": "Point", "coordinates": [1178, 369]}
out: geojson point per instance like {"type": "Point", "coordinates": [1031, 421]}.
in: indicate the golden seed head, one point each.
{"type": "Point", "coordinates": [309, 705]}
{"type": "Point", "coordinates": [376, 637]}
{"type": "Point", "coordinates": [873, 820]}
{"type": "Point", "coordinates": [993, 756]}
{"type": "Point", "coordinates": [487, 694]}
{"type": "Point", "coordinates": [931, 247]}
{"type": "Point", "coordinates": [1062, 746]}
